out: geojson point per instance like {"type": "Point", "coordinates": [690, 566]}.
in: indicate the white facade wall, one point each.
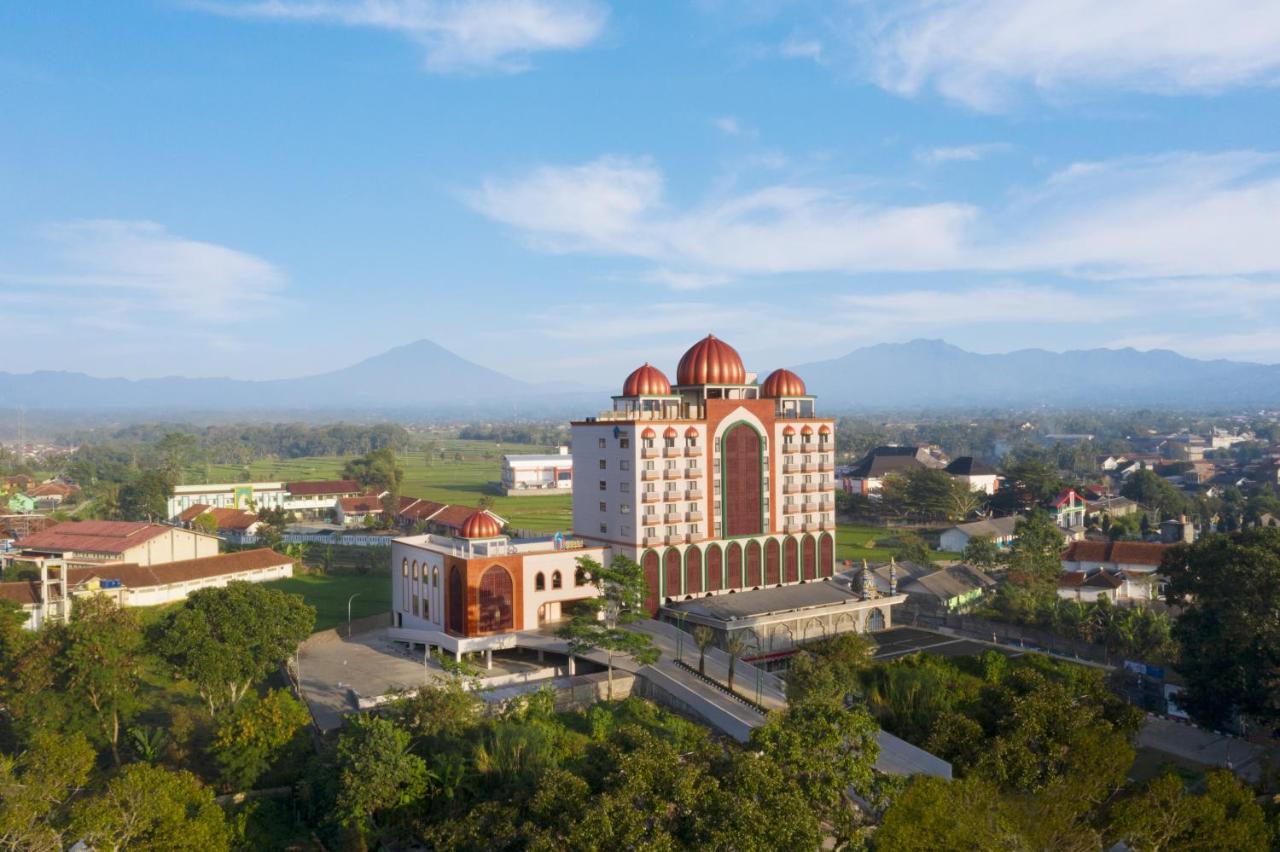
{"type": "Point", "coordinates": [542, 607]}
{"type": "Point", "coordinates": [265, 495]}
{"type": "Point", "coordinates": [417, 571]}
{"type": "Point", "coordinates": [618, 520]}
{"type": "Point", "coordinates": [174, 546]}
{"type": "Point", "coordinates": [985, 483]}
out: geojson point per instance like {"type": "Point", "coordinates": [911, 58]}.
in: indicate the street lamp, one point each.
{"type": "Point", "coordinates": [349, 600]}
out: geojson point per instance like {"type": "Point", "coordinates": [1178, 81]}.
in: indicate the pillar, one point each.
{"type": "Point", "coordinates": [571, 667]}
{"type": "Point", "coordinates": [540, 656]}
{"type": "Point", "coordinates": [488, 658]}
{"type": "Point", "coordinates": [457, 655]}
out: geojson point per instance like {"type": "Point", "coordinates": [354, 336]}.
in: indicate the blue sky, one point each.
{"type": "Point", "coordinates": [561, 190]}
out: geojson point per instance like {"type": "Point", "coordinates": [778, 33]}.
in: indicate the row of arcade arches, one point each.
{"type": "Point", "coordinates": [735, 566]}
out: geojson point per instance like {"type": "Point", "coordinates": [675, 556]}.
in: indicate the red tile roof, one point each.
{"type": "Point", "coordinates": [453, 516]}
{"type": "Point", "coordinates": [233, 519]}
{"type": "Point", "coordinates": [419, 510]}
{"type": "Point", "coordinates": [22, 591]}
{"type": "Point", "coordinates": [322, 487]}
{"type": "Point", "coordinates": [94, 536]}
{"type": "Point", "coordinates": [188, 515]}
{"type": "Point", "coordinates": [139, 576]}
{"type": "Point", "coordinates": [52, 489]}
{"type": "Point", "coordinates": [357, 505]}
{"type": "Point", "coordinates": [1120, 552]}
{"type": "Point", "coordinates": [1064, 497]}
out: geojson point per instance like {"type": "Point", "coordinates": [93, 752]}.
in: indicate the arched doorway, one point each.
{"type": "Point", "coordinates": [742, 476]}
{"type": "Point", "coordinates": [810, 564]}
{"type": "Point", "coordinates": [827, 556]}
{"type": "Point", "coordinates": [753, 563]}
{"type": "Point", "coordinates": [693, 571]}
{"type": "Point", "coordinates": [649, 562]}
{"type": "Point", "coordinates": [715, 568]}
{"type": "Point", "coordinates": [457, 602]}
{"type": "Point", "coordinates": [497, 600]}
{"type": "Point", "coordinates": [671, 570]}
{"type": "Point", "coordinates": [875, 621]}
{"type": "Point", "coordinates": [792, 561]}
{"type": "Point", "coordinates": [735, 566]}
{"type": "Point", "coordinates": [772, 557]}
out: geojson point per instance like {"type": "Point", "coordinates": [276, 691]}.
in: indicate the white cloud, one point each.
{"type": "Point", "coordinates": [455, 35]}
{"type": "Point", "coordinates": [730, 126]}
{"type": "Point", "coordinates": [981, 52]}
{"type": "Point", "coordinates": [116, 273]}
{"type": "Point", "coordinates": [1168, 216]}
{"type": "Point", "coordinates": [959, 153]}
{"type": "Point", "coordinates": [1009, 302]}
{"type": "Point", "coordinates": [796, 47]}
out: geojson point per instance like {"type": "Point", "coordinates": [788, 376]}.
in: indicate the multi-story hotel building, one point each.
{"type": "Point", "coordinates": [717, 483]}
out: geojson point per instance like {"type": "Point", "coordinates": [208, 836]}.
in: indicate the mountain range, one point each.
{"type": "Point", "coordinates": [424, 377]}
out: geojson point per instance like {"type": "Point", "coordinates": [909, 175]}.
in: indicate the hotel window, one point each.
{"type": "Point", "coordinates": [650, 487]}
{"type": "Point", "coordinates": [649, 466]}
{"type": "Point", "coordinates": [603, 464]}
{"type": "Point", "coordinates": [625, 464]}
{"type": "Point", "coordinates": [671, 486]}
{"type": "Point", "coordinates": [626, 531]}
{"type": "Point", "coordinates": [624, 442]}
{"type": "Point", "coordinates": [648, 443]}
{"type": "Point", "coordinates": [672, 529]}
{"type": "Point", "coordinates": [668, 442]}
{"type": "Point", "coordinates": [625, 508]}
{"type": "Point", "coordinates": [624, 487]}
{"type": "Point", "coordinates": [603, 485]}
{"type": "Point", "coordinates": [691, 441]}
{"type": "Point", "coordinates": [604, 528]}
{"type": "Point", "coordinates": [671, 464]}
{"type": "Point", "coordinates": [556, 581]}
{"type": "Point", "coordinates": [693, 528]}
{"type": "Point", "coordinates": [601, 443]}
{"type": "Point", "coordinates": [540, 582]}
{"type": "Point", "coordinates": [604, 507]}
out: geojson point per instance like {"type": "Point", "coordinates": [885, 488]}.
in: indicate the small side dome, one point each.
{"type": "Point", "coordinates": [691, 432]}
{"type": "Point", "coordinates": [648, 434]}
{"type": "Point", "coordinates": [670, 432]}
{"type": "Point", "coordinates": [807, 430]}
{"type": "Point", "coordinates": [824, 429]}
{"type": "Point", "coordinates": [790, 430]}
{"type": "Point", "coordinates": [481, 525]}
{"type": "Point", "coordinates": [646, 380]}
{"type": "Point", "coordinates": [711, 361]}
{"type": "Point", "coordinates": [782, 383]}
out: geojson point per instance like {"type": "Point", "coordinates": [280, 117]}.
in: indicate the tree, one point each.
{"type": "Point", "coordinates": [704, 636]}
{"type": "Point", "coordinates": [103, 642]}
{"type": "Point", "coordinates": [734, 645]}
{"type": "Point", "coordinates": [376, 469]}
{"type": "Point", "coordinates": [1164, 816]}
{"type": "Point", "coordinates": [255, 734]}
{"type": "Point", "coordinates": [205, 523]}
{"type": "Point", "coordinates": [619, 600]}
{"type": "Point", "coordinates": [911, 548]}
{"type": "Point", "coordinates": [377, 771]}
{"type": "Point", "coordinates": [150, 809]}
{"type": "Point", "coordinates": [227, 639]}
{"type": "Point", "coordinates": [146, 496]}
{"type": "Point", "coordinates": [1034, 562]}
{"type": "Point", "coordinates": [36, 789]}
{"type": "Point", "coordinates": [933, 813]}
{"type": "Point", "coordinates": [1227, 633]}
{"type": "Point", "coordinates": [1150, 489]}
{"type": "Point", "coordinates": [981, 552]}
{"type": "Point", "coordinates": [1033, 481]}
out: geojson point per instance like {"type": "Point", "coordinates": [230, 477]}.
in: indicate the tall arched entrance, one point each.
{"type": "Point", "coordinates": [810, 564]}
{"type": "Point", "coordinates": [649, 562]}
{"type": "Point", "coordinates": [457, 601]}
{"type": "Point", "coordinates": [497, 600]}
{"type": "Point", "coordinates": [693, 571]}
{"type": "Point", "coordinates": [671, 570]}
{"type": "Point", "coordinates": [792, 561]}
{"type": "Point", "coordinates": [753, 564]}
{"type": "Point", "coordinates": [742, 477]}
{"type": "Point", "coordinates": [827, 556]}
{"type": "Point", "coordinates": [735, 566]}
{"type": "Point", "coordinates": [715, 569]}
{"type": "Point", "coordinates": [772, 573]}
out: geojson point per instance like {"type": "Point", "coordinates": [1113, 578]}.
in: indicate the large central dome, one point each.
{"type": "Point", "coordinates": [711, 361]}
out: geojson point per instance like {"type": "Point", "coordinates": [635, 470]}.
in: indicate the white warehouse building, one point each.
{"type": "Point", "coordinates": [550, 473]}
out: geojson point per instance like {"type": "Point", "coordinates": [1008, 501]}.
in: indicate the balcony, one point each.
{"type": "Point", "coordinates": [650, 497]}
{"type": "Point", "coordinates": [791, 467]}
{"type": "Point", "coordinates": [672, 473]}
{"type": "Point", "coordinates": [810, 507]}
{"type": "Point", "coordinates": [648, 452]}
{"type": "Point", "coordinates": [790, 448]}
{"type": "Point", "coordinates": [672, 452]}
{"type": "Point", "coordinates": [826, 466]}
{"type": "Point", "coordinates": [652, 540]}
{"type": "Point", "coordinates": [693, 452]}
{"type": "Point", "coordinates": [677, 539]}
{"type": "Point", "coordinates": [693, 516]}
{"type": "Point", "coordinates": [826, 506]}
{"type": "Point", "coordinates": [810, 486]}
{"type": "Point", "coordinates": [672, 496]}
{"type": "Point", "coordinates": [792, 527]}
{"type": "Point", "coordinates": [826, 526]}
{"type": "Point", "coordinates": [693, 473]}
{"type": "Point", "coordinates": [790, 508]}
{"type": "Point", "coordinates": [693, 494]}
{"type": "Point", "coordinates": [649, 475]}
{"type": "Point", "coordinates": [672, 517]}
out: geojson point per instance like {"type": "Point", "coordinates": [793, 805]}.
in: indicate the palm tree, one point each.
{"type": "Point", "coordinates": [704, 636]}
{"type": "Point", "coordinates": [734, 645]}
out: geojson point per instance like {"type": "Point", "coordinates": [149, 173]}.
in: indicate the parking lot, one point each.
{"type": "Point", "coordinates": [901, 641]}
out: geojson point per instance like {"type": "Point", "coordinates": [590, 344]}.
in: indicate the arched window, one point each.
{"type": "Point", "coordinates": [539, 582]}
{"type": "Point", "coordinates": [415, 569]}
{"type": "Point", "coordinates": [435, 576]}
{"type": "Point", "coordinates": [556, 580]}
{"type": "Point", "coordinates": [496, 599]}
{"type": "Point", "coordinates": [404, 567]}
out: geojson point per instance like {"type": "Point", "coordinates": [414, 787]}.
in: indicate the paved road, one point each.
{"type": "Point", "coordinates": [1188, 742]}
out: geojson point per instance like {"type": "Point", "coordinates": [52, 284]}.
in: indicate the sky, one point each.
{"type": "Point", "coordinates": [562, 189]}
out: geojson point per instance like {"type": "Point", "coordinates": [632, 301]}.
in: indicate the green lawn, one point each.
{"type": "Point", "coordinates": [468, 471]}
{"type": "Point", "coordinates": [328, 593]}
{"type": "Point", "coordinates": [858, 542]}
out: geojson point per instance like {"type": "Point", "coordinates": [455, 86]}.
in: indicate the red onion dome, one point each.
{"type": "Point", "coordinates": [648, 433]}
{"type": "Point", "coordinates": [670, 432]}
{"type": "Point", "coordinates": [790, 430]}
{"type": "Point", "coordinates": [646, 380]}
{"type": "Point", "coordinates": [824, 429]}
{"type": "Point", "coordinates": [691, 432]}
{"type": "Point", "coordinates": [481, 525]}
{"type": "Point", "coordinates": [711, 361]}
{"type": "Point", "coordinates": [782, 383]}
{"type": "Point", "coordinates": [807, 430]}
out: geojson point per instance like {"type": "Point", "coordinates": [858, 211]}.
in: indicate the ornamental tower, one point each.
{"type": "Point", "coordinates": [715, 484]}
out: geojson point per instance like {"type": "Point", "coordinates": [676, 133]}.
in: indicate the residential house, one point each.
{"type": "Point", "coordinates": [353, 511]}
{"type": "Point", "coordinates": [1068, 509]}
{"type": "Point", "coordinates": [52, 494]}
{"type": "Point", "coordinates": [868, 474]}
{"type": "Point", "coordinates": [978, 475]}
{"type": "Point", "coordinates": [1178, 530]}
{"type": "Point", "coordinates": [111, 542]}
{"type": "Point", "coordinates": [1122, 570]}
{"type": "Point", "coordinates": [17, 482]}
{"type": "Point", "coordinates": [999, 530]}
{"type": "Point", "coordinates": [949, 589]}
{"type": "Point", "coordinates": [234, 525]}
{"type": "Point", "coordinates": [1115, 507]}
{"type": "Point", "coordinates": [21, 504]}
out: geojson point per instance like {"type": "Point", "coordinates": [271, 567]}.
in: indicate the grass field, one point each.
{"type": "Point", "coordinates": [468, 471]}
{"type": "Point", "coordinates": [858, 542]}
{"type": "Point", "coordinates": [329, 593]}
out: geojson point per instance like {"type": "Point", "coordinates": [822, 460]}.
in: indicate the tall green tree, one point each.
{"type": "Point", "coordinates": [599, 623]}
{"type": "Point", "coordinates": [1229, 629]}
{"type": "Point", "coordinates": [227, 639]}
{"type": "Point", "coordinates": [255, 734]}
{"type": "Point", "coordinates": [103, 644]}
{"type": "Point", "coordinates": [37, 788]}
{"type": "Point", "coordinates": [1150, 489]}
{"type": "Point", "coordinates": [150, 809]}
{"type": "Point", "coordinates": [145, 497]}
{"type": "Point", "coordinates": [378, 773]}
{"type": "Point", "coordinates": [1163, 815]}
{"type": "Point", "coordinates": [377, 469]}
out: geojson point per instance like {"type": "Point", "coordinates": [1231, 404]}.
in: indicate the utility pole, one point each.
{"type": "Point", "coordinates": [349, 600]}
